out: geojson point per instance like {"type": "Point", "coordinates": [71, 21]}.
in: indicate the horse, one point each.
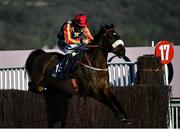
{"type": "Point", "coordinates": [90, 74]}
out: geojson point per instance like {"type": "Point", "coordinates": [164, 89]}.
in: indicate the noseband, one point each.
{"type": "Point", "coordinates": [115, 44]}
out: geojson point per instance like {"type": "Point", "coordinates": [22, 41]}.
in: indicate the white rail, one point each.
{"type": "Point", "coordinates": [119, 75]}
{"type": "Point", "coordinates": [174, 114]}
{"type": "Point", "coordinates": [122, 74]}
{"type": "Point", "coordinates": [13, 78]}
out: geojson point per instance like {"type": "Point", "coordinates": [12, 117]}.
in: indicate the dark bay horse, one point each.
{"type": "Point", "coordinates": [90, 73]}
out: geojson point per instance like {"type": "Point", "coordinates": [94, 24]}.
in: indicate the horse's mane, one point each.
{"type": "Point", "coordinates": [101, 31]}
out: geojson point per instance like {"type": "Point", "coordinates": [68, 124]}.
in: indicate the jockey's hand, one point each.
{"type": "Point", "coordinates": [85, 41]}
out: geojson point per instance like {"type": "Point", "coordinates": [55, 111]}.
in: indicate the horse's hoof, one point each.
{"type": "Point", "coordinates": [121, 117]}
{"type": "Point", "coordinates": [129, 122]}
{"type": "Point", "coordinates": [125, 120]}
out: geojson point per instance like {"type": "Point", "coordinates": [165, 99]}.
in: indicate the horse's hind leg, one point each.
{"type": "Point", "coordinates": [31, 86]}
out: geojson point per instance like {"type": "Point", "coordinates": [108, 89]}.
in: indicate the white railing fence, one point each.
{"type": "Point", "coordinates": [119, 75]}
{"type": "Point", "coordinates": [174, 113]}
{"type": "Point", "coordinates": [122, 74]}
{"type": "Point", "coordinates": [13, 78]}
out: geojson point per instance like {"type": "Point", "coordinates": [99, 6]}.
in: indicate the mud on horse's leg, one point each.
{"type": "Point", "coordinates": [32, 87]}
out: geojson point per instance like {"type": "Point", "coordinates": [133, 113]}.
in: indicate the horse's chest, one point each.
{"type": "Point", "coordinates": [99, 82]}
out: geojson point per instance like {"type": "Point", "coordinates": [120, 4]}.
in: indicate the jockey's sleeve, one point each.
{"type": "Point", "coordinates": [67, 35]}
{"type": "Point", "coordinates": [88, 34]}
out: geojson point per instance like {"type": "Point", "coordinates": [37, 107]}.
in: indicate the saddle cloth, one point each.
{"type": "Point", "coordinates": [64, 68]}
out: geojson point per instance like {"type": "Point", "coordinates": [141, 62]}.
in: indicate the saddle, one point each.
{"type": "Point", "coordinates": [64, 68]}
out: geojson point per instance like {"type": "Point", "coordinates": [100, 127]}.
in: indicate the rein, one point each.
{"type": "Point", "coordinates": [92, 46]}
{"type": "Point", "coordinates": [91, 67]}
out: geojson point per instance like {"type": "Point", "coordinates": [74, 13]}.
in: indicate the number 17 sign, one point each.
{"type": "Point", "coordinates": [165, 50]}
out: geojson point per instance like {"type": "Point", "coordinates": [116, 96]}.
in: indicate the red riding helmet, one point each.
{"type": "Point", "coordinates": [81, 20]}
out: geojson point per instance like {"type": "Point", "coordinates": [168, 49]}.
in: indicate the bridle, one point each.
{"type": "Point", "coordinates": [113, 39]}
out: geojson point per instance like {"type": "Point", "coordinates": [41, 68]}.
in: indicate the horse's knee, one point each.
{"type": "Point", "coordinates": [32, 87]}
{"type": "Point", "coordinates": [107, 91]}
{"type": "Point", "coordinates": [40, 89]}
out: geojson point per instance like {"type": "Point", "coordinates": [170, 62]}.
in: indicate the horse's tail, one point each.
{"type": "Point", "coordinates": [30, 59]}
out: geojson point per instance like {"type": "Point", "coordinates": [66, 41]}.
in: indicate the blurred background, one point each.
{"type": "Point", "coordinates": [32, 24]}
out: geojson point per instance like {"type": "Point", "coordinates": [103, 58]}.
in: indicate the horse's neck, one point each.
{"type": "Point", "coordinates": [97, 58]}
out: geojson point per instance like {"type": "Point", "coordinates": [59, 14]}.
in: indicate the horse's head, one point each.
{"type": "Point", "coordinates": [110, 41]}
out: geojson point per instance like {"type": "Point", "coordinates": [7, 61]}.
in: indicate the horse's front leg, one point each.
{"type": "Point", "coordinates": [111, 101]}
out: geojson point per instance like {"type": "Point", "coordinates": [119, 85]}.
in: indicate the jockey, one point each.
{"type": "Point", "coordinates": [74, 33]}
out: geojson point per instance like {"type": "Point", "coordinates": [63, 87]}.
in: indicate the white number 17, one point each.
{"type": "Point", "coordinates": [164, 51]}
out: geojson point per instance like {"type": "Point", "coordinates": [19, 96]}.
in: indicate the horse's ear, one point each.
{"type": "Point", "coordinates": [101, 25]}
{"type": "Point", "coordinates": [112, 25]}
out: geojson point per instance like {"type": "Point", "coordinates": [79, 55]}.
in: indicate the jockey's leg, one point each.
{"type": "Point", "coordinates": [61, 45]}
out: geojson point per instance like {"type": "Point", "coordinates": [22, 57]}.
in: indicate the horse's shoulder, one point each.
{"type": "Point", "coordinates": [59, 55]}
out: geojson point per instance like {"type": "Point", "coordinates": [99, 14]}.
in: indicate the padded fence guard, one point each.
{"type": "Point", "coordinates": [147, 105]}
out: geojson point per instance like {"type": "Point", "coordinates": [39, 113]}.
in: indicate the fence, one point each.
{"type": "Point", "coordinates": [120, 74]}
{"type": "Point", "coordinates": [13, 78]}
{"type": "Point", "coordinates": [175, 113]}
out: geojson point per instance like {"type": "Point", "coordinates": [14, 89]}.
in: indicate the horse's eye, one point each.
{"type": "Point", "coordinates": [114, 33]}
